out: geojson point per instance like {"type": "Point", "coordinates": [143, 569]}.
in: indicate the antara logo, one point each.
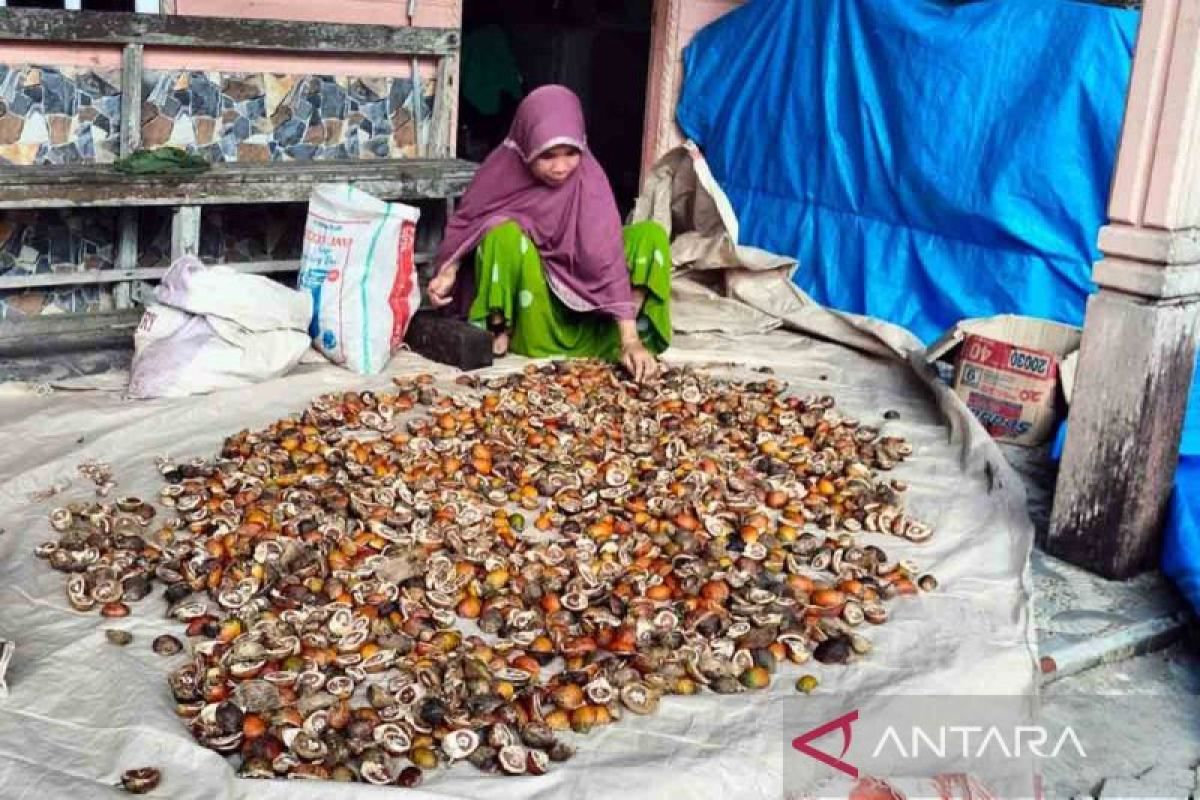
{"type": "Point", "coordinates": [954, 741]}
{"type": "Point", "coordinates": [842, 723]}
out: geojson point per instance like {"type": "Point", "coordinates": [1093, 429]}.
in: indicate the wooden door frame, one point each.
{"type": "Point", "coordinates": [659, 131]}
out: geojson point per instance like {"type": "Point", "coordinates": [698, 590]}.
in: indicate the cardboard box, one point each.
{"type": "Point", "coordinates": [1008, 371]}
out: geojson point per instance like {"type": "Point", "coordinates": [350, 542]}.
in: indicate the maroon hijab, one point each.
{"type": "Point", "coordinates": [575, 226]}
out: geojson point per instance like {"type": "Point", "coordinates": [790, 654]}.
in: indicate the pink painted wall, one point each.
{"type": "Point", "coordinates": [675, 22]}
{"type": "Point", "coordinates": [430, 13]}
{"type": "Point", "coordinates": [698, 13]}
{"type": "Point", "coordinates": [60, 55]}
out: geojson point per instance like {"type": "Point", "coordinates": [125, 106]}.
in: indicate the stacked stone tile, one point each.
{"type": "Point", "coordinates": [53, 241]}
{"type": "Point", "coordinates": [58, 116]}
{"type": "Point", "coordinates": [52, 115]}
{"type": "Point", "coordinates": [256, 117]}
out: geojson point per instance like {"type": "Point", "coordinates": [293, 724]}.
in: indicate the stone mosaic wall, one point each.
{"type": "Point", "coordinates": [52, 115]}
{"type": "Point", "coordinates": [58, 116]}
{"type": "Point", "coordinates": [56, 241]}
{"type": "Point", "coordinates": [251, 117]}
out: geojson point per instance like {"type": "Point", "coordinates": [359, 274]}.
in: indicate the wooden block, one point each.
{"type": "Point", "coordinates": [449, 341]}
{"type": "Point", "coordinates": [1118, 466]}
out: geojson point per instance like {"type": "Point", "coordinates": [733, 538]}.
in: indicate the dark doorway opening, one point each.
{"type": "Point", "coordinates": [85, 5]}
{"type": "Point", "coordinates": [598, 48]}
{"type": "Point", "coordinates": [108, 5]}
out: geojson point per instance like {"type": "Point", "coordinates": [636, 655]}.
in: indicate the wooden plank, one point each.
{"type": "Point", "coordinates": [322, 170]}
{"type": "Point", "coordinates": [97, 185]}
{"type": "Point", "coordinates": [1143, 110]}
{"type": "Point", "coordinates": [127, 256]}
{"type": "Point", "coordinates": [185, 232]}
{"type": "Point", "coordinates": [418, 98]}
{"type": "Point", "coordinates": [131, 98]}
{"type": "Point", "coordinates": [131, 139]}
{"type": "Point", "coordinates": [441, 130]}
{"type": "Point", "coordinates": [50, 324]}
{"type": "Point", "coordinates": [430, 13]}
{"type": "Point", "coordinates": [93, 277]}
{"type": "Point", "coordinates": [33, 336]}
{"type": "Point", "coordinates": [103, 276]}
{"type": "Point", "coordinates": [1172, 197]}
{"type": "Point", "coordinates": [94, 27]}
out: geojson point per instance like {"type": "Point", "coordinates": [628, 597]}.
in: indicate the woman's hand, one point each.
{"type": "Point", "coordinates": [441, 288]}
{"type": "Point", "coordinates": [642, 365]}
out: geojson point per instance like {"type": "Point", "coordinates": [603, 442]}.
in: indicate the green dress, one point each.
{"type": "Point", "coordinates": [509, 281]}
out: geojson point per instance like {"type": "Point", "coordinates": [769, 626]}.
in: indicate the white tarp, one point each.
{"type": "Point", "coordinates": [81, 710]}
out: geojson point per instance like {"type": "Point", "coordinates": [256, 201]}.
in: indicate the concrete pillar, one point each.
{"type": "Point", "coordinates": [1138, 348]}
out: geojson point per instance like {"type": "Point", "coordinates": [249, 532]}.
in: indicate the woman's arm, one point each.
{"type": "Point", "coordinates": [634, 355]}
{"type": "Point", "coordinates": [441, 288]}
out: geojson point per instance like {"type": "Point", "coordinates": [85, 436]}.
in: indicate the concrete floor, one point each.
{"type": "Point", "coordinates": [1120, 664]}
{"type": "Point", "coordinates": [1142, 718]}
{"type": "Point", "coordinates": [60, 367]}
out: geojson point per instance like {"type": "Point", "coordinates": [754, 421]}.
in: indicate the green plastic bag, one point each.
{"type": "Point", "coordinates": [161, 161]}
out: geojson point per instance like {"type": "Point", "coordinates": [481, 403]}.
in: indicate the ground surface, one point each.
{"type": "Point", "coordinates": [1121, 664]}
{"type": "Point", "coordinates": [1145, 714]}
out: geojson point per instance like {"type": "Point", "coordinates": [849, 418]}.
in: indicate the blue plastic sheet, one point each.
{"type": "Point", "coordinates": [928, 161]}
{"type": "Point", "coordinates": [925, 161]}
{"type": "Point", "coordinates": [1181, 542]}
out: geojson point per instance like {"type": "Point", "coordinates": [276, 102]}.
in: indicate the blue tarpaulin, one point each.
{"type": "Point", "coordinates": [926, 161]}
{"type": "Point", "coordinates": [1181, 545]}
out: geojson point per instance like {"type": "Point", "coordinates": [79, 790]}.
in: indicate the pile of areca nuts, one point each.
{"type": "Point", "coordinates": [391, 581]}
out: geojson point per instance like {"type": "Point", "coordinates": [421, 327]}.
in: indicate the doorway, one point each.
{"type": "Point", "coordinates": [598, 48]}
{"type": "Point", "coordinates": [80, 5]}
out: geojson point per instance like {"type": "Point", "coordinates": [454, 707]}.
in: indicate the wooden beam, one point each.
{"type": "Point", "coordinates": [1139, 337]}
{"type": "Point", "coordinates": [98, 185]}
{"type": "Point", "coordinates": [127, 255]}
{"type": "Point", "coordinates": [171, 30]}
{"type": "Point", "coordinates": [34, 336]}
{"type": "Point", "coordinates": [185, 232]}
{"type": "Point", "coordinates": [418, 98]}
{"type": "Point", "coordinates": [1118, 467]}
{"type": "Point", "coordinates": [441, 127]}
{"type": "Point", "coordinates": [131, 98]}
{"type": "Point", "coordinates": [102, 276]}
{"type": "Point", "coordinates": [131, 139]}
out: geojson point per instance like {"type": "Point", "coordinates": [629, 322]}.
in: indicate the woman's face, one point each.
{"type": "Point", "coordinates": [554, 166]}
